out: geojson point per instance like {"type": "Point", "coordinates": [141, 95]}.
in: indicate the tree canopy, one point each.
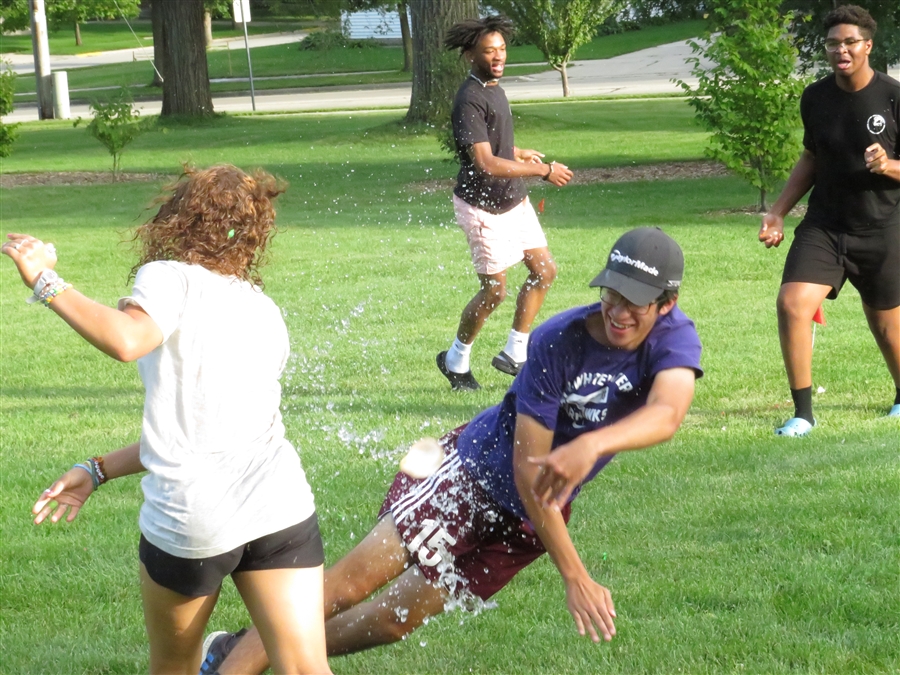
{"type": "Point", "coordinates": [558, 27]}
{"type": "Point", "coordinates": [749, 95]}
{"type": "Point", "coordinates": [66, 13]}
{"type": "Point", "coordinates": [811, 35]}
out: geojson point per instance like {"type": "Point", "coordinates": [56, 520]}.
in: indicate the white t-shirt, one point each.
{"type": "Point", "coordinates": [221, 472]}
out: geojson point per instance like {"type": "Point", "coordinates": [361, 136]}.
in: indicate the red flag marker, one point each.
{"type": "Point", "coordinates": [819, 316]}
{"type": "Point", "coordinates": [541, 206]}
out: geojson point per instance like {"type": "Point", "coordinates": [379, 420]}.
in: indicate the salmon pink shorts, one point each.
{"type": "Point", "coordinates": [497, 241]}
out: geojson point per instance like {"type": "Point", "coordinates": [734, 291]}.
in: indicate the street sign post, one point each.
{"type": "Point", "coordinates": [241, 9]}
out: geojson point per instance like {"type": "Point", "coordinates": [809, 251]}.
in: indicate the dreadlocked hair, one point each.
{"type": "Point", "coordinates": [466, 34]}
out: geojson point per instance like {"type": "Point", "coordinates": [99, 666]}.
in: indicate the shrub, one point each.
{"type": "Point", "coordinates": [325, 40]}
{"type": "Point", "coordinates": [7, 90]}
{"type": "Point", "coordinates": [115, 124]}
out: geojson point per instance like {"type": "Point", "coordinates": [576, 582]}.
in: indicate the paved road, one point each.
{"type": "Point", "coordinates": [648, 71]}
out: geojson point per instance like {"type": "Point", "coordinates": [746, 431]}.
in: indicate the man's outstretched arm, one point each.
{"type": "Point", "coordinates": [589, 603]}
{"type": "Point", "coordinates": [655, 422]}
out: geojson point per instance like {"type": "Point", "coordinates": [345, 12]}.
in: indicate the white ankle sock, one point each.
{"type": "Point", "coordinates": [458, 357]}
{"type": "Point", "coordinates": [517, 346]}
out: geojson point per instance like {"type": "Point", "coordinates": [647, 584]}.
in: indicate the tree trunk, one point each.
{"type": "Point", "coordinates": [156, 23]}
{"type": "Point", "coordinates": [564, 74]}
{"type": "Point", "coordinates": [77, 34]}
{"type": "Point", "coordinates": [436, 72]}
{"type": "Point", "coordinates": [186, 84]}
{"type": "Point", "coordinates": [405, 35]}
{"type": "Point", "coordinates": [207, 28]}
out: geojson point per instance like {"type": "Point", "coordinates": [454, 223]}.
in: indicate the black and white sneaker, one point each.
{"type": "Point", "coordinates": [458, 381]}
{"type": "Point", "coordinates": [216, 647]}
{"type": "Point", "coordinates": [505, 364]}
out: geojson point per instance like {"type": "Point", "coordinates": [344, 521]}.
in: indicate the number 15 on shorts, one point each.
{"type": "Point", "coordinates": [430, 544]}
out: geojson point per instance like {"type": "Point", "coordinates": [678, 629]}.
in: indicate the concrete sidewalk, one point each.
{"type": "Point", "coordinates": [648, 71]}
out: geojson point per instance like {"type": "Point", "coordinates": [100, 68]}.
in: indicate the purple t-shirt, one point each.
{"type": "Point", "coordinates": [572, 385]}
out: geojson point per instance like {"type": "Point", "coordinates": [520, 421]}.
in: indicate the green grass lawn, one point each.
{"type": "Point", "coordinates": [101, 36]}
{"type": "Point", "coordinates": [332, 67]}
{"type": "Point", "coordinates": [727, 550]}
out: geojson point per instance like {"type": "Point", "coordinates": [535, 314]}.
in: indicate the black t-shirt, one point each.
{"type": "Point", "coordinates": [838, 127]}
{"type": "Point", "coordinates": [481, 114]}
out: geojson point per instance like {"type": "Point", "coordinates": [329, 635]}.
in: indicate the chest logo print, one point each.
{"type": "Point", "coordinates": [577, 407]}
{"type": "Point", "coordinates": [875, 124]}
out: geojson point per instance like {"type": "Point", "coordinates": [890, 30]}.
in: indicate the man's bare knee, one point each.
{"type": "Point", "coordinates": [492, 294]}
{"type": "Point", "coordinates": [791, 309]}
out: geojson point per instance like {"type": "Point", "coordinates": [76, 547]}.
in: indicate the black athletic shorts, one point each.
{"type": "Point", "coordinates": [295, 547]}
{"type": "Point", "coordinates": [870, 261]}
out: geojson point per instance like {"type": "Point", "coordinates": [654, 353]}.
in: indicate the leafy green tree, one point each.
{"type": "Point", "coordinates": [811, 35]}
{"type": "Point", "coordinates": [115, 124]}
{"type": "Point", "coordinates": [7, 91]}
{"type": "Point", "coordinates": [663, 11]}
{"type": "Point", "coordinates": [437, 73]}
{"type": "Point", "coordinates": [558, 27]}
{"type": "Point", "coordinates": [76, 12]}
{"type": "Point", "coordinates": [748, 96]}
{"type": "Point", "coordinates": [389, 6]}
{"type": "Point", "coordinates": [15, 15]}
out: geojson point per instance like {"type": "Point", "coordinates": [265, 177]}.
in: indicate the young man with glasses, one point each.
{"type": "Point", "coordinates": [851, 122]}
{"type": "Point", "coordinates": [600, 379]}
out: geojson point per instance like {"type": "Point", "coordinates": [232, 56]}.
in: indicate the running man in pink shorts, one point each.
{"type": "Point", "coordinates": [491, 202]}
{"type": "Point", "coordinates": [603, 378]}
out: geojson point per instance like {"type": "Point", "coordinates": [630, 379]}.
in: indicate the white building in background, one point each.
{"type": "Point", "coordinates": [371, 24]}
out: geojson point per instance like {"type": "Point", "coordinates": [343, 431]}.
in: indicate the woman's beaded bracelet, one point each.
{"type": "Point", "coordinates": [50, 291]}
{"type": "Point", "coordinates": [98, 469]}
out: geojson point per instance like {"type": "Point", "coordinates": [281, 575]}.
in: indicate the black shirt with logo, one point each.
{"type": "Point", "coordinates": [838, 127]}
{"type": "Point", "coordinates": [481, 114]}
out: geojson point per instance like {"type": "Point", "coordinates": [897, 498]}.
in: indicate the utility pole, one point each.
{"type": "Point", "coordinates": [41, 60]}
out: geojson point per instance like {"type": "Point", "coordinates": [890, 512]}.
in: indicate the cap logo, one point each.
{"type": "Point", "coordinates": [615, 256]}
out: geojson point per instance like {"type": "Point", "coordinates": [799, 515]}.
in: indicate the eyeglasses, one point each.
{"type": "Point", "coordinates": [833, 46]}
{"type": "Point", "coordinates": [611, 297]}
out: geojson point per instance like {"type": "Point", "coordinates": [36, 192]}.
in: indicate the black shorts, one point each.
{"type": "Point", "coordinates": [295, 547]}
{"type": "Point", "coordinates": [870, 261]}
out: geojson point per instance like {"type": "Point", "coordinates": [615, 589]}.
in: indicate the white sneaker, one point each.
{"type": "Point", "coordinates": [795, 427]}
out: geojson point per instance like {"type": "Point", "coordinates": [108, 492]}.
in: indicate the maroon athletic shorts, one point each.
{"type": "Point", "coordinates": [458, 536]}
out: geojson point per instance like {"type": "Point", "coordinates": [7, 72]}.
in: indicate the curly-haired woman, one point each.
{"type": "Point", "coordinates": [225, 493]}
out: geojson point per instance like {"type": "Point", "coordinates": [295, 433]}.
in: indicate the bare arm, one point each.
{"type": "Point", "coordinates": [589, 603]}
{"type": "Point", "coordinates": [124, 335]}
{"type": "Point", "coordinates": [656, 422]}
{"type": "Point", "coordinates": [802, 177]}
{"type": "Point", "coordinates": [70, 491]}
{"type": "Point", "coordinates": [486, 162]}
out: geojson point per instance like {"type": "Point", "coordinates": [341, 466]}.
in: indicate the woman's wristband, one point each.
{"type": "Point", "coordinates": [87, 466]}
{"type": "Point", "coordinates": [550, 172]}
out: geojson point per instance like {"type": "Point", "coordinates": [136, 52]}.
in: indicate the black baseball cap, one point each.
{"type": "Point", "coordinates": [642, 264]}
